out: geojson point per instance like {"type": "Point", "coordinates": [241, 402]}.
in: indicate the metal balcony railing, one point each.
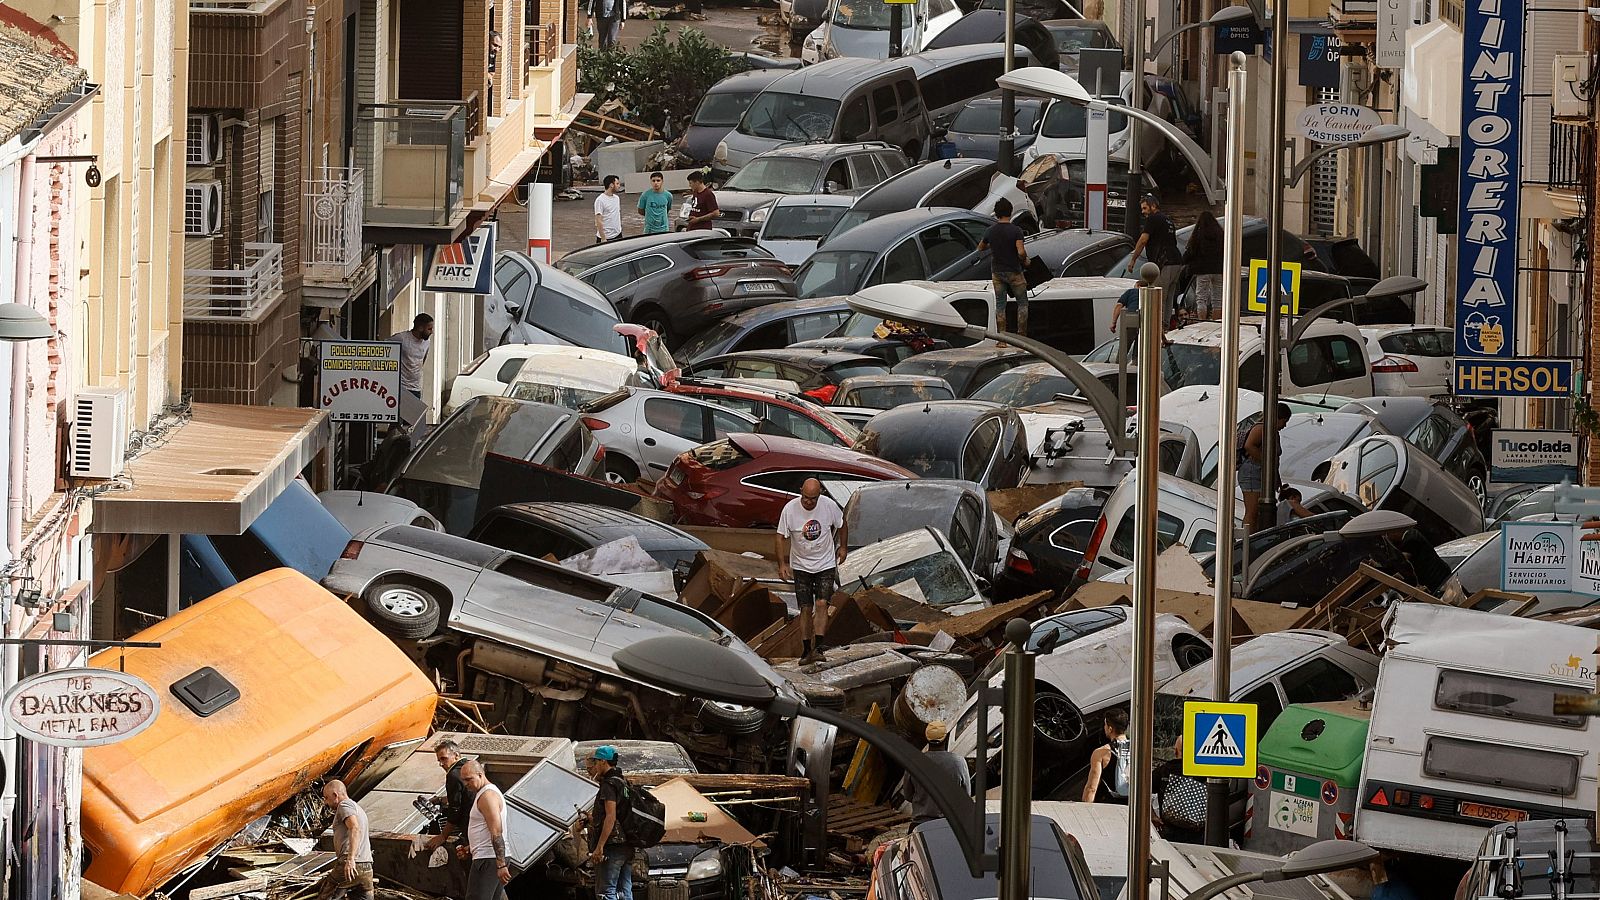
{"type": "Point", "coordinates": [242, 293]}
{"type": "Point", "coordinates": [1571, 148]}
{"type": "Point", "coordinates": [334, 201]}
{"type": "Point", "coordinates": [543, 44]}
{"type": "Point", "coordinates": [413, 153]}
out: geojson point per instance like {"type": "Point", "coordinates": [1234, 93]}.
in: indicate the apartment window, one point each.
{"type": "Point", "coordinates": [266, 213]}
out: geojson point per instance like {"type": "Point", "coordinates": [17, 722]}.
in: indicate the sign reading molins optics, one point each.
{"type": "Point", "coordinates": [1491, 95]}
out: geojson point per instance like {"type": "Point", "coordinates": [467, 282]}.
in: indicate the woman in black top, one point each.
{"type": "Point", "coordinates": [1202, 261]}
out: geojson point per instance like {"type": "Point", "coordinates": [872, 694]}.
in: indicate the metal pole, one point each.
{"type": "Point", "coordinates": [1278, 134]}
{"type": "Point", "coordinates": [896, 48]}
{"type": "Point", "coordinates": [1135, 186]}
{"type": "Point", "coordinates": [1016, 766]}
{"type": "Point", "coordinates": [1141, 732]}
{"type": "Point", "coordinates": [1008, 99]}
{"type": "Point", "coordinates": [1227, 424]}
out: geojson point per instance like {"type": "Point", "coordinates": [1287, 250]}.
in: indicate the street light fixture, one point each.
{"type": "Point", "coordinates": [1377, 134]}
{"type": "Point", "coordinates": [1039, 81]}
{"type": "Point", "coordinates": [22, 323]}
{"type": "Point", "coordinates": [1393, 286]}
{"type": "Point", "coordinates": [919, 306]}
{"type": "Point", "coordinates": [701, 668]}
{"type": "Point", "coordinates": [1317, 859]}
{"type": "Point", "coordinates": [1227, 15]}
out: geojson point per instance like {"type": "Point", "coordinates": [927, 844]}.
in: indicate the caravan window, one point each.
{"type": "Point", "coordinates": [1501, 765]}
{"type": "Point", "coordinates": [1500, 697]}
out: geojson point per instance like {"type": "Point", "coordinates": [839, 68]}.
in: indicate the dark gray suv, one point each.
{"type": "Point", "coordinates": [745, 197]}
{"type": "Point", "coordinates": [678, 284]}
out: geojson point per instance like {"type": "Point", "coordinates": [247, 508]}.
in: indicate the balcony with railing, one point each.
{"type": "Point", "coordinates": [413, 153]}
{"type": "Point", "coordinates": [552, 72]}
{"type": "Point", "coordinates": [241, 294]}
{"type": "Point", "coordinates": [1571, 161]}
{"type": "Point", "coordinates": [334, 207]}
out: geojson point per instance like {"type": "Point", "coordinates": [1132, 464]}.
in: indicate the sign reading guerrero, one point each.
{"type": "Point", "coordinates": [81, 707]}
{"type": "Point", "coordinates": [360, 381]}
{"type": "Point", "coordinates": [1491, 95]}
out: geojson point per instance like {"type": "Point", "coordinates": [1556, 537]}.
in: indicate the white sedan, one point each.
{"type": "Point", "coordinates": [1410, 360]}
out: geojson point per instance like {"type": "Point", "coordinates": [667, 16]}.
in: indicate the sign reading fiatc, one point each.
{"type": "Point", "coordinates": [81, 707]}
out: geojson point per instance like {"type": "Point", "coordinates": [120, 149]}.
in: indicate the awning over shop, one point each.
{"type": "Point", "coordinates": [1433, 53]}
{"type": "Point", "coordinates": [215, 473]}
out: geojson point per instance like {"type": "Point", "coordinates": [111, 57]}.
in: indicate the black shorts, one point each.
{"type": "Point", "coordinates": [809, 587]}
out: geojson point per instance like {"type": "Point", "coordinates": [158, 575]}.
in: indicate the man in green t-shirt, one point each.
{"type": "Point", "coordinates": [656, 206]}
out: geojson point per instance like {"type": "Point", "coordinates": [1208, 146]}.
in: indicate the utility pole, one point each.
{"type": "Point", "coordinates": [1016, 769]}
{"type": "Point", "coordinates": [1141, 730]}
{"type": "Point", "coordinates": [1135, 186]}
{"type": "Point", "coordinates": [1008, 99]}
{"type": "Point", "coordinates": [896, 44]}
{"type": "Point", "coordinates": [1278, 135]}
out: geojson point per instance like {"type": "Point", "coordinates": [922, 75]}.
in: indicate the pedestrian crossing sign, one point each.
{"type": "Point", "coordinates": [1219, 739]}
{"type": "Point", "coordinates": [1257, 301]}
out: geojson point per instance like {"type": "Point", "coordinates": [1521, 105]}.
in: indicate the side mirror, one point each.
{"type": "Point", "coordinates": [983, 584]}
{"type": "Point", "coordinates": [832, 187]}
{"type": "Point", "coordinates": [940, 132]}
{"type": "Point", "coordinates": [514, 310]}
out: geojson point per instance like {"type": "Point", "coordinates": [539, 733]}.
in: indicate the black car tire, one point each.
{"type": "Point", "coordinates": [655, 319]}
{"type": "Point", "coordinates": [620, 469]}
{"type": "Point", "coordinates": [732, 719]}
{"type": "Point", "coordinates": [403, 610]}
{"type": "Point", "coordinates": [1054, 717]}
{"type": "Point", "coordinates": [1189, 652]}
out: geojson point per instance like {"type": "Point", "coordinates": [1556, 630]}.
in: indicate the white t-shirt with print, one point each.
{"type": "Point", "coordinates": [810, 534]}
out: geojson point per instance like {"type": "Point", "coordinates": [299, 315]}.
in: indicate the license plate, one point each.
{"type": "Point", "coordinates": [677, 476]}
{"type": "Point", "coordinates": [758, 287]}
{"type": "Point", "coordinates": [1117, 204]}
{"type": "Point", "coordinates": [1492, 813]}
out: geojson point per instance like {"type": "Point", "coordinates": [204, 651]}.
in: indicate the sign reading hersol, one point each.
{"type": "Point", "coordinates": [81, 707]}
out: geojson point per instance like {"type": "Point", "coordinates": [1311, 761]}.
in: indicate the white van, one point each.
{"type": "Point", "coordinates": [860, 28]}
{"type": "Point", "coordinates": [1464, 735]}
{"type": "Point", "coordinates": [1331, 357]}
{"type": "Point", "coordinates": [1064, 129]}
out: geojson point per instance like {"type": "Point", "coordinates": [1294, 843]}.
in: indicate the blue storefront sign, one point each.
{"type": "Point", "coordinates": [1486, 233]}
{"type": "Point", "coordinates": [1549, 378]}
{"type": "Point", "coordinates": [1244, 38]}
{"type": "Point", "coordinates": [1319, 60]}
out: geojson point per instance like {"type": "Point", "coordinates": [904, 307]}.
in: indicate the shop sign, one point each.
{"type": "Point", "coordinates": [1533, 457]}
{"type": "Point", "coordinates": [359, 381]}
{"type": "Point", "coordinates": [81, 707]}
{"type": "Point", "coordinates": [1491, 164]}
{"type": "Point", "coordinates": [1548, 378]}
{"type": "Point", "coordinates": [1336, 123]}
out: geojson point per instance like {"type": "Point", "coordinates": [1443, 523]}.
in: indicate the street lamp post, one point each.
{"type": "Point", "coordinates": [1008, 100]}
{"type": "Point", "coordinates": [1227, 15]}
{"type": "Point", "coordinates": [1142, 702]}
{"type": "Point", "coordinates": [1317, 859]}
{"type": "Point", "coordinates": [1393, 286]}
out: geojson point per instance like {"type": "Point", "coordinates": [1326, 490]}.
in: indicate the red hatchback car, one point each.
{"type": "Point", "coordinates": [744, 480]}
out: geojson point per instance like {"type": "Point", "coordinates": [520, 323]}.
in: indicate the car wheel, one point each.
{"type": "Point", "coordinates": [732, 718]}
{"type": "Point", "coordinates": [403, 610]}
{"type": "Point", "coordinates": [1188, 653]}
{"type": "Point", "coordinates": [654, 319]}
{"type": "Point", "coordinates": [1479, 483]}
{"type": "Point", "coordinates": [620, 469]}
{"type": "Point", "coordinates": [1056, 721]}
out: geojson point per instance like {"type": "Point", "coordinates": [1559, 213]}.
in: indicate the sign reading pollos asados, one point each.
{"type": "Point", "coordinates": [1486, 274]}
{"type": "Point", "coordinates": [1336, 123]}
{"type": "Point", "coordinates": [81, 707]}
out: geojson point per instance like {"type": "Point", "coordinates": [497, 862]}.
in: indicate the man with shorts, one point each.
{"type": "Point", "coordinates": [1251, 457]}
{"type": "Point", "coordinates": [1008, 260]}
{"type": "Point", "coordinates": [811, 545]}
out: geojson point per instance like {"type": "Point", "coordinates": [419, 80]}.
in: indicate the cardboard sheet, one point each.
{"type": "Point", "coordinates": [680, 799]}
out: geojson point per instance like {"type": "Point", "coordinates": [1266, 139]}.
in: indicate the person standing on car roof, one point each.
{"type": "Point", "coordinates": [811, 545]}
{"type": "Point", "coordinates": [448, 755]}
{"type": "Point", "coordinates": [1007, 263]}
{"type": "Point", "coordinates": [609, 852]}
{"type": "Point", "coordinates": [1159, 242]}
{"type": "Point", "coordinates": [486, 836]}
{"type": "Point", "coordinates": [1250, 458]}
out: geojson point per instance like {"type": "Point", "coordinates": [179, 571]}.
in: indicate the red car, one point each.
{"type": "Point", "coordinates": [744, 480]}
{"type": "Point", "coordinates": [797, 416]}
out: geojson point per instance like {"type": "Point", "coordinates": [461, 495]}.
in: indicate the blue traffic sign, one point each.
{"type": "Point", "coordinates": [1219, 739]}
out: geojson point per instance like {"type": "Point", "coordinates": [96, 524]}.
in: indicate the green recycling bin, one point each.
{"type": "Point", "coordinates": [1308, 771]}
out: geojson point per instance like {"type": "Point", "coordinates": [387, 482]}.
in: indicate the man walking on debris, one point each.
{"type": "Point", "coordinates": [448, 753]}
{"type": "Point", "coordinates": [351, 875]}
{"type": "Point", "coordinates": [486, 836]}
{"type": "Point", "coordinates": [609, 851]}
{"type": "Point", "coordinates": [811, 545]}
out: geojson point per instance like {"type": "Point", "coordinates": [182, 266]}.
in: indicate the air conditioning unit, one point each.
{"type": "Point", "coordinates": [99, 425]}
{"type": "Point", "coordinates": [1569, 74]}
{"type": "Point", "coordinates": [203, 141]}
{"type": "Point", "coordinates": [202, 208]}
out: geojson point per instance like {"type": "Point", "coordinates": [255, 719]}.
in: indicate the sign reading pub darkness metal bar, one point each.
{"type": "Point", "coordinates": [1491, 166]}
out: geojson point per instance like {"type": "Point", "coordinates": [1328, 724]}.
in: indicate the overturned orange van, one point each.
{"type": "Point", "coordinates": [265, 687]}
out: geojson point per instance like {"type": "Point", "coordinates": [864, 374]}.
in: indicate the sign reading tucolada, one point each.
{"type": "Point", "coordinates": [1336, 123]}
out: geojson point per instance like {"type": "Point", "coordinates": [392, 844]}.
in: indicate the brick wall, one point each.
{"type": "Point", "coordinates": [475, 51]}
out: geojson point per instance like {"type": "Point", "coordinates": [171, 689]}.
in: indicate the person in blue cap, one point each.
{"type": "Point", "coordinates": [609, 851]}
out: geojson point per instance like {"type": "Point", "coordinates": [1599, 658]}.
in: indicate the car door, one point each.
{"type": "Point", "coordinates": [947, 249]}
{"type": "Point", "coordinates": [978, 453]}
{"type": "Point", "coordinates": [903, 262]}
{"type": "Point", "coordinates": [670, 425]}
{"type": "Point", "coordinates": [555, 611]}
{"type": "Point", "coordinates": [502, 312]}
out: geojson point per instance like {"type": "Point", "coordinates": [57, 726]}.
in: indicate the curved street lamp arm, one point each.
{"type": "Point", "coordinates": [1223, 885]}
{"type": "Point", "coordinates": [1112, 413]}
{"type": "Point", "coordinates": [1162, 41]}
{"type": "Point", "coordinates": [964, 814]}
{"type": "Point", "coordinates": [1304, 165]}
{"type": "Point", "coordinates": [1306, 318]}
{"type": "Point", "coordinates": [1198, 159]}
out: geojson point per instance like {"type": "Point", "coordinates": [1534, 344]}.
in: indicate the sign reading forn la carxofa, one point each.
{"type": "Point", "coordinates": [81, 707]}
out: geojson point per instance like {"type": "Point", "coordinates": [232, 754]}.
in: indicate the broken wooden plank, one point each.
{"type": "Point", "coordinates": [232, 889]}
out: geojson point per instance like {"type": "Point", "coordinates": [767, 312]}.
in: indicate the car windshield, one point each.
{"type": "Point", "coordinates": [453, 453]}
{"type": "Point", "coordinates": [984, 119]}
{"type": "Point", "coordinates": [872, 15]}
{"type": "Point", "coordinates": [937, 578]}
{"type": "Point", "coordinates": [1069, 120]}
{"type": "Point", "coordinates": [558, 395]}
{"type": "Point", "coordinates": [888, 396]}
{"type": "Point", "coordinates": [776, 175]}
{"type": "Point", "coordinates": [722, 110]}
{"type": "Point", "coordinates": [831, 272]}
{"type": "Point", "coordinates": [701, 344]}
{"type": "Point", "coordinates": [1071, 40]}
{"type": "Point", "coordinates": [858, 325]}
{"type": "Point", "coordinates": [789, 117]}
{"type": "Point", "coordinates": [559, 308]}
{"type": "Point", "coordinates": [852, 218]}
{"type": "Point", "coordinates": [1025, 387]}
{"type": "Point", "coordinates": [1186, 364]}
{"type": "Point", "coordinates": [801, 222]}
